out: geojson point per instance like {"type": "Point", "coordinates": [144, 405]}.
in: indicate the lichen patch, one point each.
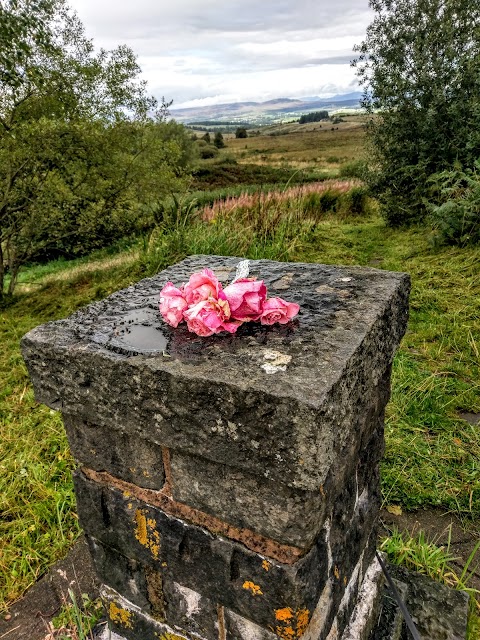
{"type": "Point", "coordinates": [120, 616]}
{"type": "Point", "coordinates": [253, 588]}
{"type": "Point", "coordinates": [146, 533]}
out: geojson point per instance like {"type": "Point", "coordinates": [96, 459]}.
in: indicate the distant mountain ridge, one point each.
{"type": "Point", "coordinates": [268, 111]}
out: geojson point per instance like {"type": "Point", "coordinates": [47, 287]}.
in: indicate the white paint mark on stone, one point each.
{"type": "Point", "coordinates": [367, 596]}
{"type": "Point", "coordinates": [345, 279]}
{"type": "Point", "coordinates": [248, 630]}
{"type": "Point", "coordinates": [191, 599]}
{"type": "Point", "coordinates": [349, 592]}
{"type": "Point", "coordinates": [133, 586]}
{"type": "Point", "coordinates": [276, 361]}
{"type": "Point", "coordinates": [271, 368]}
{"type": "Point", "coordinates": [320, 615]}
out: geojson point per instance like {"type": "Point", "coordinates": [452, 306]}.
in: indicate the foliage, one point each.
{"type": "Point", "coordinates": [221, 174]}
{"type": "Point", "coordinates": [354, 169]}
{"type": "Point", "coordinates": [417, 553]}
{"type": "Point", "coordinates": [76, 621]}
{"type": "Point", "coordinates": [208, 152]}
{"type": "Point", "coordinates": [218, 140]}
{"type": "Point", "coordinates": [457, 216]}
{"type": "Point", "coordinates": [241, 132]}
{"type": "Point", "coordinates": [308, 200]}
{"type": "Point", "coordinates": [206, 137]}
{"type": "Point", "coordinates": [315, 116]}
{"type": "Point", "coordinates": [79, 155]}
{"type": "Point", "coordinates": [420, 67]}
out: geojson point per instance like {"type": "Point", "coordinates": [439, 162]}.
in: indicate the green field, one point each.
{"type": "Point", "coordinates": [433, 455]}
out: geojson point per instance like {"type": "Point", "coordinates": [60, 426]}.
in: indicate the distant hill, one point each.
{"type": "Point", "coordinates": [266, 112]}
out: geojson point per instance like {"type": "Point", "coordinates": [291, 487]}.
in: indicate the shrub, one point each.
{"type": "Point", "coordinates": [355, 201]}
{"type": "Point", "coordinates": [354, 169]}
{"type": "Point", "coordinates": [206, 153]}
{"type": "Point", "coordinates": [456, 216]}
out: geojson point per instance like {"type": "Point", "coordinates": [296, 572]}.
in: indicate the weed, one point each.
{"type": "Point", "coordinates": [417, 553]}
{"type": "Point", "coordinates": [76, 620]}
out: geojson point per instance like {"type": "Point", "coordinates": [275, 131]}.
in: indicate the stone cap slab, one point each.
{"type": "Point", "coordinates": [282, 398]}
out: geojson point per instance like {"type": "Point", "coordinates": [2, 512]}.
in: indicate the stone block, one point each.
{"type": "Point", "coordinates": [227, 573]}
{"type": "Point", "coordinates": [285, 514]}
{"type": "Point", "coordinates": [229, 485]}
{"type": "Point", "coordinates": [224, 398]}
{"type": "Point", "coordinates": [124, 455]}
{"type": "Point", "coordinates": [155, 591]}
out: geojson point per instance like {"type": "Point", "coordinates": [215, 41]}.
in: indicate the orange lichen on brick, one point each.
{"type": "Point", "coordinates": [266, 565]}
{"type": "Point", "coordinates": [254, 588]}
{"type": "Point", "coordinates": [122, 616]}
{"type": "Point", "coordinates": [284, 614]}
{"type": "Point", "coordinates": [337, 573]}
{"type": "Point", "coordinates": [345, 581]}
{"type": "Point", "coordinates": [146, 533]}
{"type": "Point", "coordinates": [141, 530]}
{"type": "Point", "coordinates": [293, 624]}
{"type": "Point", "coordinates": [303, 618]}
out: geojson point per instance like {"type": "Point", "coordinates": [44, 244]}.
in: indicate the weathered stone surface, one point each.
{"type": "Point", "coordinates": [155, 591]}
{"type": "Point", "coordinates": [439, 613]}
{"type": "Point", "coordinates": [124, 455]}
{"type": "Point", "coordinates": [285, 514]}
{"type": "Point", "coordinates": [213, 397]}
{"type": "Point", "coordinates": [368, 605]}
{"type": "Point", "coordinates": [131, 623]}
{"type": "Point", "coordinates": [390, 625]}
{"type": "Point", "coordinates": [229, 485]}
{"type": "Point", "coordinates": [238, 628]}
{"type": "Point", "coordinates": [225, 572]}
{"type": "Point", "coordinates": [249, 584]}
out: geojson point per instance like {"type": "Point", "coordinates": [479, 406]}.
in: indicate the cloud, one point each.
{"type": "Point", "coordinates": [243, 49]}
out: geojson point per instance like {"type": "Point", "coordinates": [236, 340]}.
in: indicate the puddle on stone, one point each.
{"type": "Point", "coordinates": [138, 332]}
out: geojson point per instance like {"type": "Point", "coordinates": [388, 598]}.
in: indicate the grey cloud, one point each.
{"type": "Point", "coordinates": [206, 42]}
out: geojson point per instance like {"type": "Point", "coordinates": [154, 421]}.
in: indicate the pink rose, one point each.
{"type": "Point", "coordinates": [208, 317]}
{"type": "Point", "coordinates": [246, 298]}
{"type": "Point", "coordinates": [172, 304]}
{"type": "Point", "coordinates": [278, 310]}
{"type": "Point", "coordinates": [202, 286]}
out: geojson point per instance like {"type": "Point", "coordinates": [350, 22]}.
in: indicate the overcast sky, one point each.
{"type": "Point", "coordinates": [198, 52]}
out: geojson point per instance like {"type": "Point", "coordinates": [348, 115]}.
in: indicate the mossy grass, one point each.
{"type": "Point", "coordinates": [432, 456]}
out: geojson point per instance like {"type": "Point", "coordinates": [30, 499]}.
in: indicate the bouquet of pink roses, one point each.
{"type": "Point", "coordinates": [207, 308]}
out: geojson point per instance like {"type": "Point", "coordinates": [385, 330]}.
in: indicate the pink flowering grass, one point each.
{"type": "Point", "coordinates": [295, 196]}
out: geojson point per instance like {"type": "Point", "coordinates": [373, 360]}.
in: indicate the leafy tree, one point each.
{"type": "Point", "coordinates": [206, 137]}
{"type": "Point", "coordinates": [79, 153]}
{"type": "Point", "coordinates": [218, 140]}
{"type": "Point", "coordinates": [241, 132]}
{"type": "Point", "coordinates": [420, 68]}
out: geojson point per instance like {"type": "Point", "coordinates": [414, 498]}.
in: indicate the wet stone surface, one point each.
{"type": "Point", "coordinates": [226, 398]}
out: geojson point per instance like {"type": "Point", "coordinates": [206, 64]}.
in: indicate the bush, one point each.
{"type": "Point", "coordinates": [456, 216]}
{"type": "Point", "coordinates": [328, 201]}
{"type": "Point", "coordinates": [206, 153]}
{"type": "Point", "coordinates": [354, 169]}
{"type": "Point", "coordinates": [355, 201]}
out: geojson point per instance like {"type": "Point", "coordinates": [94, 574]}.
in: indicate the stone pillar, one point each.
{"type": "Point", "coordinates": [229, 486]}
